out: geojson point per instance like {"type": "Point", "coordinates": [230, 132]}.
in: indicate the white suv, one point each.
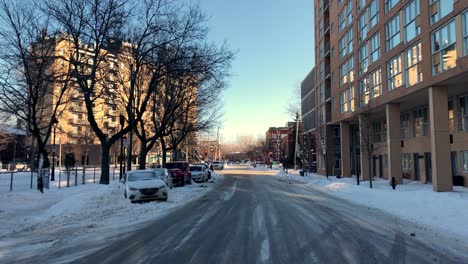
{"type": "Point", "coordinates": [218, 165]}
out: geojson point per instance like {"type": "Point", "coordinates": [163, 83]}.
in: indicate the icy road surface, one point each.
{"type": "Point", "coordinates": [254, 217]}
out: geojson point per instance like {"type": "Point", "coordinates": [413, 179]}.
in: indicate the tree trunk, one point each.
{"type": "Point", "coordinates": [42, 155]}
{"type": "Point", "coordinates": [105, 163]}
{"type": "Point", "coordinates": [164, 153]}
{"type": "Point", "coordinates": [143, 154]}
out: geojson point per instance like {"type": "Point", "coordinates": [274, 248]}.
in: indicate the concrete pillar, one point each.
{"type": "Point", "coordinates": [393, 142]}
{"type": "Point", "coordinates": [440, 142]}
{"type": "Point", "coordinates": [345, 150]}
{"type": "Point", "coordinates": [364, 139]}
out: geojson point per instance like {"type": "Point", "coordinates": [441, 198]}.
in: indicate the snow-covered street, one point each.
{"type": "Point", "coordinates": [62, 218]}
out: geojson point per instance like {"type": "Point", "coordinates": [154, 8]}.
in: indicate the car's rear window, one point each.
{"type": "Point", "coordinates": [142, 176]}
{"type": "Point", "coordinates": [174, 165]}
{"type": "Point", "coordinates": [196, 168]}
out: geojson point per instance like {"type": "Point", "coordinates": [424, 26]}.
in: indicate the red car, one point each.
{"type": "Point", "coordinates": [180, 172]}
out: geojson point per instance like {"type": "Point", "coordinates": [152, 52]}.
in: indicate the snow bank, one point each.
{"type": "Point", "coordinates": [73, 214]}
{"type": "Point", "coordinates": [444, 212]}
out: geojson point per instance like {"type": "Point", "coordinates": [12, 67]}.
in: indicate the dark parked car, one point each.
{"type": "Point", "coordinates": [313, 167]}
{"type": "Point", "coordinates": [180, 172]}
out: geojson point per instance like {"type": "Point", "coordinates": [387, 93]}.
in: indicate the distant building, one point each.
{"type": "Point", "coordinates": [13, 145]}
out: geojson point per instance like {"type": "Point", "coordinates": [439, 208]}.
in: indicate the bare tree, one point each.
{"type": "Point", "coordinates": [368, 143]}
{"type": "Point", "coordinates": [5, 136]}
{"type": "Point", "coordinates": [30, 88]}
{"type": "Point", "coordinates": [192, 77]}
{"type": "Point", "coordinates": [294, 102]}
{"type": "Point", "coordinates": [112, 62]}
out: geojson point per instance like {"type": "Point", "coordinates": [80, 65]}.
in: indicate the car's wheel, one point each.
{"type": "Point", "coordinates": [164, 199]}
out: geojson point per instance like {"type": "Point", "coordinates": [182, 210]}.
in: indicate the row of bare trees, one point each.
{"type": "Point", "coordinates": [148, 57]}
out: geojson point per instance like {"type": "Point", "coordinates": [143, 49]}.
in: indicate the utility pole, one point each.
{"type": "Point", "coordinates": [297, 134]}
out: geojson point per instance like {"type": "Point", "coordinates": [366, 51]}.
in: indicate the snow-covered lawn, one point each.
{"type": "Point", "coordinates": [445, 212]}
{"type": "Point", "coordinates": [31, 221]}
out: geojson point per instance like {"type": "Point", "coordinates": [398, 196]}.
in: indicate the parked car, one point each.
{"type": "Point", "coordinates": [199, 173]}
{"type": "Point", "coordinates": [218, 165]}
{"type": "Point", "coordinates": [313, 167]}
{"type": "Point", "coordinates": [180, 172]}
{"type": "Point", "coordinates": [141, 185]}
{"type": "Point", "coordinates": [207, 168]}
{"type": "Point", "coordinates": [165, 176]}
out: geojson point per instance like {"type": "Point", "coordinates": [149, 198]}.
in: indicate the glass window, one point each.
{"type": "Point", "coordinates": [368, 20]}
{"type": "Point", "coordinates": [363, 59]}
{"type": "Point", "coordinates": [420, 122]}
{"type": "Point", "coordinates": [377, 131]}
{"type": "Point", "coordinates": [451, 116]}
{"type": "Point", "coordinates": [412, 27]}
{"type": "Point", "coordinates": [347, 100]}
{"type": "Point", "coordinates": [413, 66]}
{"type": "Point", "coordinates": [370, 87]}
{"type": "Point", "coordinates": [404, 125]}
{"type": "Point", "coordinates": [345, 17]}
{"type": "Point", "coordinates": [406, 162]}
{"type": "Point", "coordinates": [465, 33]}
{"type": "Point", "coordinates": [439, 9]}
{"type": "Point", "coordinates": [362, 27]}
{"type": "Point", "coordinates": [389, 4]}
{"type": "Point", "coordinates": [347, 71]}
{"type": "Point", "coordinates": [373, 13]}
{"type": "Point", "coordinates": [393, 32]}
{"type": "Point", "coordinates": [463, 113]}
{"type": "Point", "coordinates": [349, 12]}
{"type": "Point", "coordinates": [394, 74]}
{"type": "Point", "coordinates": [341, 20]}
{"type": "Point", "coordinates": [374, 48]}
{"type": "Point", "coordinates": [345, 44]}
{"type": "Point", "coordinates": [464, 160]}
{"type": "Point", "coordinates": [360, 4]}
{"type": "Point", "coordinates": [444, 53]}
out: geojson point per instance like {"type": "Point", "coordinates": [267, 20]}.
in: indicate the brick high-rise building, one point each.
{"type": "Point", "coordinates": [378, 95]}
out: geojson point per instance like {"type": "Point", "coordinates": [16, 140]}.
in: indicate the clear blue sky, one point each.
{"type": "Point", "coordinates": [275, 43]}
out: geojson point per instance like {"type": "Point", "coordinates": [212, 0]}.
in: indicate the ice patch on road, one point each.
{"type": "Point", "coordinates": [228, 195]}
{"type": "Point", "coordinates": [265, 251]}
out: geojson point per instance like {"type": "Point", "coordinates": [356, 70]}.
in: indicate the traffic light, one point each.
{"type": "Point", "coordinates": [206, 153]}
{"type": "Point", "coordinates": [271, 154]}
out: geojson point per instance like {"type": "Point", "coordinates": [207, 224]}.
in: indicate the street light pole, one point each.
{"type": "Point", "coordinates": [54, 123]}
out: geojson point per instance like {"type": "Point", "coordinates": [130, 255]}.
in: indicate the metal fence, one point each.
{"type": "Point", "coordinates": [27, 180]}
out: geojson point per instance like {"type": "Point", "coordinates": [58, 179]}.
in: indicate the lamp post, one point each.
{"type": "Point", "coordinates": [54, 123]}
{"type": "Point", "coordinates": [122, 122]}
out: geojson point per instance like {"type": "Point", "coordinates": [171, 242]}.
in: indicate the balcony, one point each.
{"type": "Point", "coordinates": [74, 121]}
{"type": "Point", "coordinates": [77, 109]}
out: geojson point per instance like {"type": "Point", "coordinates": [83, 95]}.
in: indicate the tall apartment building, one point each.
{"type": "Point", "coordinates": [378, 96]}
{"type": "Point", "coordinates": [73, 132]}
